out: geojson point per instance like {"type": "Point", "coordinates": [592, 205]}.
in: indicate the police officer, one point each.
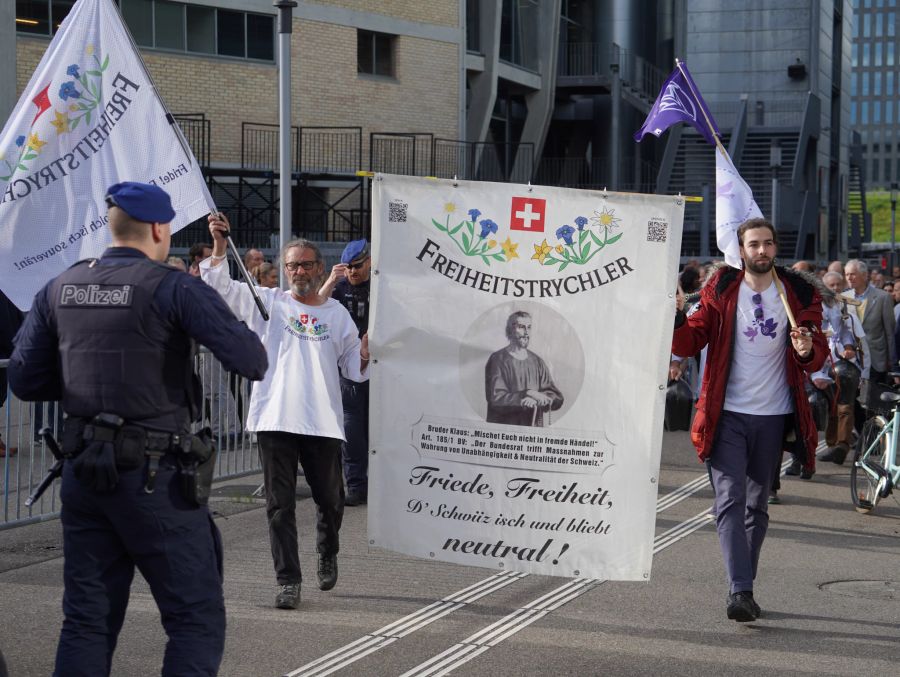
{"type": "Point", "coordinates": [349, 285]}
{"type": "Point", "coordinates": [111, 338]}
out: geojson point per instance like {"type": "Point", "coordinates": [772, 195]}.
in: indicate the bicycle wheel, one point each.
{"type": "Point", "coordinates": [864, 480]}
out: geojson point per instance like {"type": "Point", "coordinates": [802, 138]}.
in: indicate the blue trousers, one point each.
{"type": "Point", "coordinates": [355, 398]}
{"type": "Point", "coordinates": [741, 465]}
{"type": "Point", "coordinates": [177, 549]}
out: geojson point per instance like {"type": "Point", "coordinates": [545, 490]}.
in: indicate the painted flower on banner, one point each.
{"type": "Point", "coordinates": [486, 238]}
{"type": "Point", "coordinates": [579, 245]}
{"type": "Point", "coordinates": [473, 237]}
{"type": "Point", "coordinates": [79, 96]}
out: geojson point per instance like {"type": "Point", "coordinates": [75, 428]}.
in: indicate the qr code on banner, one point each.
{"type": "Point", "coordinates": [397, 212]}
{"type": "Point", "coordinates": [657, 230]}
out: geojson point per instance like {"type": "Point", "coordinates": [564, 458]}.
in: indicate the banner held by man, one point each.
{"type": "Point", "coordinates": [522, 338]}
{"type": "Point", "coordinates": [88, 118]}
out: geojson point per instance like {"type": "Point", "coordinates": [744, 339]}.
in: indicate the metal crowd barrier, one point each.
{"type": "Point", "coordinates": [226, 398]}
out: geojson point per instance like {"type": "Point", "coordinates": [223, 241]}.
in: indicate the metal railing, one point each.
{"type": "Point", "coordinates": [401, 153]}
{"type": "Point", "coordinates": [226, 398]}
{"type": "Point", "coordinates": [483, 161]}
{"type": "Point", "coordinates": [259, 146]}
{"type": "Point", "coordinates": [196, 130]}
{"type": "Point", "coordinates": [330, 150]}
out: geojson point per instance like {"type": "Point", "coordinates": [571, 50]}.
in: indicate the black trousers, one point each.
{"type": "Point", "coordinates": [320, 457]}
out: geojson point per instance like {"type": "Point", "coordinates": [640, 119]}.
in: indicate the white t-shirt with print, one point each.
{"type": "Point", "coordinates": [757, 383]}
{"type": "Point", "coordinates": [309, 347]}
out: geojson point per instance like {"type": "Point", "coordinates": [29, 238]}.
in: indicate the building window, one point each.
{"type": "Point", "coordinates": [853, 113]}
{"type": "Point", "coordinates": [889, 112]}
{"type": "Point", "coordinates": [865, 84]}
{"type": "Point", "coordinates": [891, 26]}
{"type": "Point", "coordinates": [375, 53]}
{"type": "Point", "coordinates": [876, 112]}
{"type": "Point", "coordinates": [864, 113]}
{"type": "Point", "coordinates": [877, 53]}
{"type": "Point", "coordinates": [875, 165]}
{"type": "Point", "coordinates": [41, 17]}
{"type": "Point", "coordinates": [889, 83]}
{"type": "Point", "coordinates": [865, 59]}
{"type": "Point", "coordinates": [879, 25]}
{"type": "Point", "coordinates": [169, 25]}
{"type": "Point", "coordinates": [867, 26]}
{"type": "Point", "coordinates": [876, 85]}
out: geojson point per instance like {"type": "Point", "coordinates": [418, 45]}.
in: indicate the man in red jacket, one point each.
{"type": "Point", "coordinates": [752, 401]}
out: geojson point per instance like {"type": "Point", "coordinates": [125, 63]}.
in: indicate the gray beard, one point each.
{"type": "Point", "coordinates": [304, 288]}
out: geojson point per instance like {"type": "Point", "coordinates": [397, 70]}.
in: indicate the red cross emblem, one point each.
{"type": "Point", "coordinates": [528, 214]}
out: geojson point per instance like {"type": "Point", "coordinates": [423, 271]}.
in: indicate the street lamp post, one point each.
{"type": "Point", "coordinates": [285, 11]}
{"type": "Point", "coordinates": [893, 223]}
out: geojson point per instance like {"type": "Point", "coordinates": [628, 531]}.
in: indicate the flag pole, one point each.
{"type": "Point", "coordinates": [778, 285]}
{"type": "Point", "coordinates": [185, 149]}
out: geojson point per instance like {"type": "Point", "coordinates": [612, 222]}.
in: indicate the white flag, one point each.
{"type": "Point", "coordinates": [89, 118]}
{"type": "Point", "coordinates": [734, 205]}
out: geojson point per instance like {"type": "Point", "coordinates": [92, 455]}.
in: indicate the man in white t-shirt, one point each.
{"type": "Point", "coordinates": [752, 401]}
{"type": "Point", "coordinates": [296, 409]}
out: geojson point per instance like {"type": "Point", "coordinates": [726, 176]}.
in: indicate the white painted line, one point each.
{"type": "Point", "coordinates": [350, 653]}
{"type": "Point", "coordinates": [506, 627]}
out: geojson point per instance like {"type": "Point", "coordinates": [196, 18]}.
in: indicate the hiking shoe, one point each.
{"type": "Point", "coordinates": [835, 454]}
{"type": "Point", "coordinates": [793, 469]}
{"type": "Point", "coordinates": [288, 596]}
{"type": "Point", "coordinates": [741, 607]}
{"type": "Point", "coordinates": [327, 572]}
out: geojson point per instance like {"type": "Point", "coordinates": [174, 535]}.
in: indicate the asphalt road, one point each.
{"type": "Point", "coordinates": [829, 584]}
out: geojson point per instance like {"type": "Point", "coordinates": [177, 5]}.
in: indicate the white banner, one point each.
{"type": "Point", "coordinates": [88, 118]}
{"type": "Point", "coordinates": [521, 337]}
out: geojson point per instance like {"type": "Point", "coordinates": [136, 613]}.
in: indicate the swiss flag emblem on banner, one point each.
{"type": "Point", "coordinates": [528, 214]}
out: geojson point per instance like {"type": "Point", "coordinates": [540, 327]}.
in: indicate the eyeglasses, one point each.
{"type": "Point", "coordinates": [758, 310]}
{"type": "Point", "coordinates": [356, 266]}
{"type": "Point", "coordinates": [306, 265]}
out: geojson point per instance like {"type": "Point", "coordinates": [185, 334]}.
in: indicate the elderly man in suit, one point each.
{"type": "Point", "coordinates": [876, 313]}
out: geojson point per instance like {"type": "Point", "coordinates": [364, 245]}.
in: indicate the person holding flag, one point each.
{"type": "Point", "coordinates": [752, 402]}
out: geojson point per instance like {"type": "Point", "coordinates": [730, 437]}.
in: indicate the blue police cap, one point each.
{"type": "Point", "coordinates": [142, 201]}
{"type": "Point", "coordinates": [355, 251]}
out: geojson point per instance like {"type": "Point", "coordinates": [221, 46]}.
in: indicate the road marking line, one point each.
{"type": "Point", "coordinates": [362, 647]}
{"type": "Point", "coordinates": [518, 620]}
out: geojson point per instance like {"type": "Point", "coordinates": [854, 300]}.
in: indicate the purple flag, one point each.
{"type": "Point", "coordinates": [679, 100]}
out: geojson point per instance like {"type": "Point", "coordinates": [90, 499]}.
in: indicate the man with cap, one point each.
{"type": "Point", "coordinates": [111, 338]}
{"type": "Point", "coordinates": [349, 285]}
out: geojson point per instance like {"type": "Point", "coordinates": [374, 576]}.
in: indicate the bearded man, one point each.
{"type": "Point", "coordinates": [752, 404]}
{"type": "Point", "coordinates": [296, 410]}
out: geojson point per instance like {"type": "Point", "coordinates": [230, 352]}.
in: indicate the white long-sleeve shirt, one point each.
{"type": "Point", "coordinates": [309, 347]}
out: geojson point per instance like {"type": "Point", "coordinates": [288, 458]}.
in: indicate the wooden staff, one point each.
{"type": "Point", "coordinates": [783, 298]}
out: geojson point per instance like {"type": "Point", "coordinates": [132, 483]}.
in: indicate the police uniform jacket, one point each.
{"type": "Point", "coordinates": [114, 335]}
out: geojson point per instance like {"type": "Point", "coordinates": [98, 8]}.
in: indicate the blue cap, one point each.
{"type": "Point", "coordinates": [355, 251]}
{"type": "Point", "coordinates": [141, 201]}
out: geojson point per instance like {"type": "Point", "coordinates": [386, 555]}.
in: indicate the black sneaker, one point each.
{"type": "Point", "coordinates": [288, 596]}
{"type": "Point", "coordinates": [355, 498]}
{"type": "Point", "coordinates": [327, 572]}
{"type": "Point", "coordinates": [807, 473]}
{"type": "Point", "coordinates": [741, 607]}
{"type": "Point", "coordinates": [793, 469]}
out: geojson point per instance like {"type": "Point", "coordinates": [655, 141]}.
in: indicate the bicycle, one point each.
{"type": "Point", "coordinates": [875, 471]}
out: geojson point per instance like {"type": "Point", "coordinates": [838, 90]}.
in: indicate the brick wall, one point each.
{"type": "Point", "coordinates": [327, 90]}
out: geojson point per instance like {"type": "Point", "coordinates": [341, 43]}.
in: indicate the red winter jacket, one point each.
{"type": "Point", "coordinates": [713, 325]}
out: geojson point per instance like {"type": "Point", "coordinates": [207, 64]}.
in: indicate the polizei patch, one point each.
{"type": "Point", "coordinates": [103, 295]}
